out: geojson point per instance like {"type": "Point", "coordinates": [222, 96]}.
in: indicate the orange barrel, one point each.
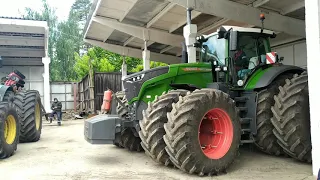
{"type": "Point", "coordinates": [107, 97]}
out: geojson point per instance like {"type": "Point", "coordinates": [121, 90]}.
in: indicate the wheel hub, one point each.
{"type": "Point", "coordinates": [215, 133]}
{"type": "Point", "coordinates": [10, 129]}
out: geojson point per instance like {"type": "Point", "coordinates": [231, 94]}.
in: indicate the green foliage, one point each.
{"type": "Point", "coordinates": [99, 64]}
{"type": "Point", "coordinates": [153, 64]}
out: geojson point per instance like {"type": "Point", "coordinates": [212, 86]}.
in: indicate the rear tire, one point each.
{"type": "Point", "coordinates": [28, 104]}
{"type": "Point", "coordinates": [291, 118]}
{"type": "Point", "coordinates": [152, 129]}
{"type": "Point", "coordinates": [9, 130]}
{"type": "Point", "coordinates": [265, 140]}
{"type": "Point", "coordinates": [191, 146]}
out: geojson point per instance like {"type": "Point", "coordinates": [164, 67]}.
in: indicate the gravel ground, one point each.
{"type": "Point", "coordinates": [63, 154]}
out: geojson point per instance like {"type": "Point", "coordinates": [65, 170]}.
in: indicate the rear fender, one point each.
{"type": "Point", "coordinates": [274, 72]}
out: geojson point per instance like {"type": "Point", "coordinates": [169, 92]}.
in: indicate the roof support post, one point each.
{"type": "Point", "coordinates": [123, 70]}
{"type": "Point", "coordinates": [46, 83]}
{"type": "Point", "coordinates": [146, 56]}
{"type": "Point", "coordinates": [190, 33]}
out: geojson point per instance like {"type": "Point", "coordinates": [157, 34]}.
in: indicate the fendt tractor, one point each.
{"type": "Point", "coordinates": [21, 113]}
{"type": "Point", "coordinates": [194, 116]}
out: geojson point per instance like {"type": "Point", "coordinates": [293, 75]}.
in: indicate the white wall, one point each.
{"type": "Point", "coordinates": [294, 54]}
{"type": "Point", "coordinates": [64, 93]}
{"type": "Point", "coordinates": [34, 78]}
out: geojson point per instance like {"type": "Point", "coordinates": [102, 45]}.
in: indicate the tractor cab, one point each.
{"type": "Point", "coordinates": [236, 52]}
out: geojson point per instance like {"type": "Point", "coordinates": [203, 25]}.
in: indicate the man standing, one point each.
{"type": "Point", "coordinates": [56, 109]}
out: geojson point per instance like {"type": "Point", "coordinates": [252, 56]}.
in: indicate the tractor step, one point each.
{"type": "Point", "coordinates": [245, 120]}
{"type": "Point", "coordinates": [241, 99]}
{"type": "Point", "coordinates": [245, 131]}
{"type": "Point", "coordinates": [247, 141]}
{"type": "Point", "coordinates": [243, 109]}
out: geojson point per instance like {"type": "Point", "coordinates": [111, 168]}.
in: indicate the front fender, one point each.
{"type": "Point", "coordinates": [3, 90]}
{"type": "Point", "coordinates": [270, 74]}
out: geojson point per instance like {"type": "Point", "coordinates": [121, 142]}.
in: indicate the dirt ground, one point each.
{"type": "Point", "coordinates": [63, 154]}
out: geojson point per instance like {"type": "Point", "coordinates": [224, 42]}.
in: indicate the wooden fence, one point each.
{"type": "Point", "coordinates": [102, 82]}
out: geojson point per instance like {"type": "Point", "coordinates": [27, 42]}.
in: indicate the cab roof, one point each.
{"type": "Point", "coordinates": [243, 29]}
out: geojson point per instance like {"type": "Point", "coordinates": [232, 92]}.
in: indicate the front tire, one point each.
{"type": "Point", "coordinates": [9, 130]}
{"type": "Point", "coordinates": [152, 129]}
{"type": "Point", "coordinates": [28, 104]}
{"type": "Point", "coordinates": [203, 132]}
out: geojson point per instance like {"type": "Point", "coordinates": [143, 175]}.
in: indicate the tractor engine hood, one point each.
{"type": "Point", "coordinates": [132, 83]}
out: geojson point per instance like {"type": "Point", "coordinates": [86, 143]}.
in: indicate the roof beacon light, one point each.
{"type": "Point", "coordinates": [262, 18]}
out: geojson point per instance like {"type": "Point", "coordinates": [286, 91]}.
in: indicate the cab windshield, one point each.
{"type": "Point", "coordinates": [214, 49]}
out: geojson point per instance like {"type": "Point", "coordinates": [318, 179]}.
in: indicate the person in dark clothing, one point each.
{"type": "Point", "coordinates": [56, 109]}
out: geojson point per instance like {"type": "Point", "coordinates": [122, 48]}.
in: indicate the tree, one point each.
{"type": "Point", "coordinates": [48, 14]}
{"type": "Point", "coordinates": [153, 64]}
{"type": "Point", "coordinates": [98, 64]}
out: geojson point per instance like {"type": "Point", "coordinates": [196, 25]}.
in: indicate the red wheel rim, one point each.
{"type": "Point", "coordinates": [215, 133]}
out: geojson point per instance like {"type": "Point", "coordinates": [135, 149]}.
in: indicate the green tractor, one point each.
{"type": "Point", "coordinates": [195, 116]}
{"type": "Point", "coordinates": [21, 114]}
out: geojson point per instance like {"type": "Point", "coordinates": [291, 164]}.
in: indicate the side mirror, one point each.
{"type": "Point", "coordinates": [222, 33]}
{"type": "Point", "coordinates": [201, 39]}
{"type": "Point", "coordinates": [233, 40]}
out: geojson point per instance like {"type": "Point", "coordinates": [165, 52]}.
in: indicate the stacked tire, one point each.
{"type": "Point", "coordinates": [174, 131]}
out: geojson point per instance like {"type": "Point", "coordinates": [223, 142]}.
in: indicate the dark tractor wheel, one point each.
{"type": "Point", "coordinates": [265, 140]}
{"type": "Point", "coordinates": [9, 130]}
{"type": "Point", "coordinates": [28, 104]}
{"type": "Point", "coordinates": [122, 111]}
{"type": "Point", "coordinates": [130, 141]}
{"type": "Point", "coordinates": [203, 132]}
{"type": "Point", "coordinates": [291, 118]}
{"type": "Point", "coordinates": [152, 129]}
{"type": "Point", "coordinates": [117, 141]}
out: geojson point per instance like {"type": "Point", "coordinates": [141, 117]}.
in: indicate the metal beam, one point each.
{"type": "Point", "coordinates": [122, 17]}
{"type": "Point", "coordinates": [292, 8]}
{"type": "Point", "coordinates": [181, 23]}
{"type": "Point", "coordinates": [22, 41]}
{"type": "Point", "coordinates": [160, 14]}
{"type": "Point", "coordinates": [141, 32]}
{"type": "Point", "coordinates": [242, 13]}
{"type": "Point", "coordinates": [128, 41]}
{"type": "Point", "coordinates": [177, 26]}
{"type": "Point", "coordinates": [258, 3]}
{"type": "Point", "coordinates": [132, 52]}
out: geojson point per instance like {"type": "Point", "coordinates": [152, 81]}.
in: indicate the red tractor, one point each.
{"type": "Point", "coordinates": [20, 114]}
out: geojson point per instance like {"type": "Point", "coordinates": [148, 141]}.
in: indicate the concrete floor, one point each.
{"type": "Point", "coordinates": [63, 154]}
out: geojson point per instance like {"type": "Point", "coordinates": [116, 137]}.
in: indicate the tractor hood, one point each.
{"type": "Point", "coordinates": [132, 83]}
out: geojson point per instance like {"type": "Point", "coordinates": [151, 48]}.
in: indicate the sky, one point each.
{"type": "Point", "coordinates": [11, 8]}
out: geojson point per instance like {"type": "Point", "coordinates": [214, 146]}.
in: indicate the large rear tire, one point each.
{"type": "Point", "coordinates": [265, 140]}
{"type": "Point", "coordinates": [9, 130]}
{"type": "Point", "coordinates": [203, 132]}
{"type": "Point", "coordinates": [28, 105]}
{"type": "Point", "coordinates": [152, 129]}
{"type": "Point", "coordinates": [291, 118]}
